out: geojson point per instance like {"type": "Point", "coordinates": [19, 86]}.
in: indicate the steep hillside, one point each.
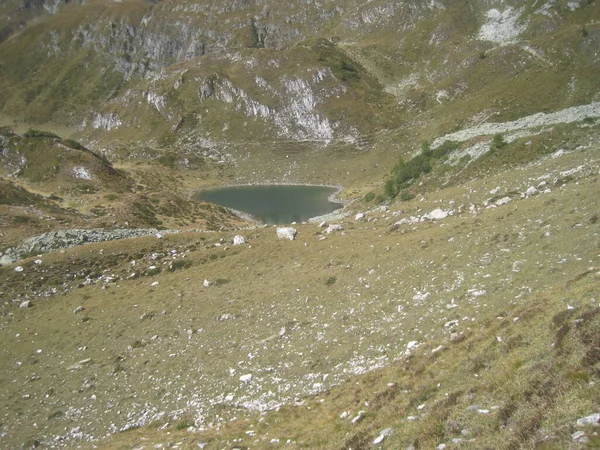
{"type": "Point", "coordinates": [250, 83]}
{"type": "Point", "coordinates": [474, 306]}
{"type": "Point", "coordinates": [453, 304]}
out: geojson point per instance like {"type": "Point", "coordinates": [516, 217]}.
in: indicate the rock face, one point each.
{"type": "Point", "coordinates": [287, 233]}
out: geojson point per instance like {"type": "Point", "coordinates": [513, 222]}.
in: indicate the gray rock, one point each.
{"type": "Point", "coordinates": [593, 420]}
{"type": "Point", "coordinates": [437, 214]}
{"type": "Point", "coordinates": [385, 433]}
{"type": "Point", "coordinates": [531, 191]}
{"type": "Point", "coordinates": [580, 437]}
{"type": "Point", "coordinates": [239, 240]}
{"type": "Point", "coordinates": [287, 233]}
{"type": "Point", "coordinates": [334, 227]}
{"type": "Point", "coordinates": [26, 304]}
{"type": "Point", "coordinates": [359, 216]}
{"type": "Point", "coordinates": [78, 309]}
{"type": "Point", "coordinates": [246, 378]}
{"type": "Point", "coordinates": [503, 201]}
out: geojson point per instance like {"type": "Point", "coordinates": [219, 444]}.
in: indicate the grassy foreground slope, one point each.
{"type": "Point", "coordinates": [505, 293]}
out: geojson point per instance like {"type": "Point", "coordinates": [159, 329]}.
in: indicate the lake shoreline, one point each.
{"type": "Point", "coordinates": [332, 198]}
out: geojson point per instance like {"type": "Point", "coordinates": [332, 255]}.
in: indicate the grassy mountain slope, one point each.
{"type": "Point", "coordinates": [463, 312]}
{"type": "Point", "coordinates": [156, 347]}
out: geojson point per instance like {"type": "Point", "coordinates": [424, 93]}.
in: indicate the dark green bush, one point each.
{"type": "Point", "coordinates": [38, 134]}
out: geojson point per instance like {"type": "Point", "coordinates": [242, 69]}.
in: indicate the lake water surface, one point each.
{"type": "Point", "coordinates": [274, 204]}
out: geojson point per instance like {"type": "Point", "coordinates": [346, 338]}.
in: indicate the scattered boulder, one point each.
{"type": "Point", "coordinates": [593, 420]}
{"type": "Point", "coordinates": [436, 214]}
{"type": "Point", "coordinates": [206, 283]}
{"type": "Point", "coordinates": [334, 227]}
{"type": "Point", "coordinates": [359, 216]}
{"type": "Point", "coordinates": [580, 437]}
{"type": "Point", "coordinates": [503, 201]}
{"type": "Point", "coordinates": [19, 269]}
{"type": "Point", "coordinates": [323, 224]}
{"type": "Point", "coordinates": [531, 191]}
{"type": "Point", "coordinates": [239, 240]}
{"type": "Point", "coordinates": [287, 233]}
{"type": "Point", "coordinates": [26, 304]}
{"type": "Point", "coordinates": [78, 309]}
{"type": "Point", "coordinates": [358, 417]}
{"type": "Point", "coordinates": [246, 378]}
{"type": "Point", "coordinates": [385, 433]}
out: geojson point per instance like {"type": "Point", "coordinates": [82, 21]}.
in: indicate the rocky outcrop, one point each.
{"type": "Point", "coordinates": [62, 239]}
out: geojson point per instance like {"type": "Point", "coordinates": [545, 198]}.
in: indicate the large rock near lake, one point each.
{"type": "Point", "coordinates": [287, 233]}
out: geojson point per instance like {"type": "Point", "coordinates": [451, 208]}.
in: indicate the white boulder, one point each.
{"type": "Point", "coordinates": [359, 216]}
{"type": "Point", "coordinates": [334, 227]}
{"type": "Point", "coordinates": [504, 201]}
{"type": "Point", "coordinates": [436, 214]}
{"type": "Point", "coordinates": [287, 233]}
{"type": "Point", "coordinates": [246, 378]}
{"type": "Point", "coordinates": [239, 240]}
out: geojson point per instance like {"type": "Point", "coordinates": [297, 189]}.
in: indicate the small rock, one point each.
{"type": "Point", "coordinates": [358, 417]}
{"type": "Point", "coordinates": [412, 344]}
{"type": "Point", "coordinates": [288, 233]}
{"type": "Point", "coordinates": [531, 191]}
{"type": "Point", "coordinates": [334, 227]}
{"type": "Point", "coordinates": [239, 240]}
{"type": "Point", "coordinates": [580, 437]}
{"type": "Point", "coordinates": [37, 262]}
{"type": "Point", "coordinates": [246, 378]}
{"type": "Point", "coordinates": [206, 283]}
{"type": "Point", "coordinates": [323, 224]}
{"type": "Point", "coordinates": [385, 433]}
{"type": "Point", "coordinates": [503, 201]}
{"type": "Point", "coordinates": [436, 214]}
{"type": "Point", "coordinates": [78, 309]}
{"type": "Point", "coordinates": [154, 284]}
{"type": "Point", "coordinates": [19, 269]}
{"type": "Point", "coordinates": [441, 447]}
{"type": "Point", "coordinates": [26, 304]}
{"type": "Point", "coordinates": [344, 415]}
{"type": "Point", "coordinates": [359, 216]}
{"type": "Point", "coordinates": [593, 420]}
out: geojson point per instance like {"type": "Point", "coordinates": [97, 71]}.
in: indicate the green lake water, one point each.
{"type": "Point", "coordinates": [274, 204]}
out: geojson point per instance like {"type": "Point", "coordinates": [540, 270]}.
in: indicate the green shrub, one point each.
{"type": "Point", "coordinates": [73, 144]}
{"type": "Point", "coordinates": [498, 142]}
{"type": "Point", "coordinates": [406, 172]}
{"type": "Point", "coordinates": [330, 281]}
{"type": "Point", "coordinates": [369, 197]}
{"type": "Point", "coordinates": [406, 195]}
{"type": "Point", "coordinates": [38, 134]}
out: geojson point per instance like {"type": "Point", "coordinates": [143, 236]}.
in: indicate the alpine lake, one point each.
{"type": "Point", "coordinates": [274, 204]}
